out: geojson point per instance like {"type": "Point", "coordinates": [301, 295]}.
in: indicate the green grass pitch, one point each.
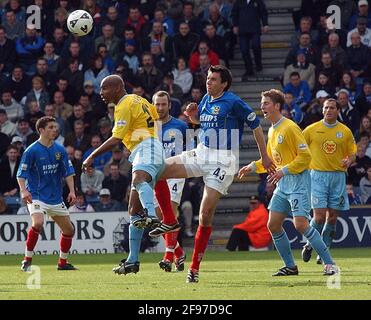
{"type": "Point", "coordinates": [224, 275]}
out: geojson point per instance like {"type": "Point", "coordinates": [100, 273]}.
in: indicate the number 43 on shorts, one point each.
{"type": "Point", "coordinates": [219, 173]}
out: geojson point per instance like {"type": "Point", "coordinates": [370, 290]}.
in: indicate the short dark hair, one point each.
{"type": "Point", "coordinates": [295, 73]}
{"type": "Point", "coordinates": [225, 74]}
{"type": "Point", "coordinates": [161, 93]}
{"type": "Point", "coordinates": [43, 122]}
{"type": "Point", "coordinates": [333, 100]}
{"type": "Point", "coordinates": [275, 95]}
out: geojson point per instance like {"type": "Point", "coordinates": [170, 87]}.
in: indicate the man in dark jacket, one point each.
{"type": "Point", "coordinates": [246, 17]}
{"type": "Point", "coordinates": [8, 171]}
{"type": "Point", "coordinates": [184, 42]}
{"type": "Point", "coordinates": [363, 102]}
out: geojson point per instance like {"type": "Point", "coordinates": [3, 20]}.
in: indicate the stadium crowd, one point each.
{"type": "Point", "coordinates": [165, 45]}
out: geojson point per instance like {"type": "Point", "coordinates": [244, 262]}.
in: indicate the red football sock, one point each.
{"type": "Point", "coordinates": [163, 198]}
{"type": "Point", "coordinates": [171, 240]}
{"type": "Point", "coordinates": [32, 237]}
{"type": "Point", "coordinates": [65, 245]}
{"type": "Point", "coordinates": [201, 241]}
{"type": "Point", "coordinates": [178, 252]}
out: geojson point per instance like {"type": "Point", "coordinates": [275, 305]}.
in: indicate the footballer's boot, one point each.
{"type": "Point", "coordinates": [164, 228]}
{"type": "Point", "coordinates": [286, 271]}
{"type": "Point", "coordinates": [192, 276]}
{"type": "Point", "coordinates": [319, 260]}
{"type": "Point", "coordinates": [330, 269]}
{"type": "Point", "coordinates": [142, 220]}
{"type": "Point", "coordinates": [67, 266]}
{"type": "Point", "coordinates": [306, 253]}
{"type": "Point", "coordinates": [26, 265]}
{"type": "Point", "coordinates": [165, 265]}
{"type": "Point", "coordinates": [125, 267]}
{"type": "Point", "coordinates": [179, 263]}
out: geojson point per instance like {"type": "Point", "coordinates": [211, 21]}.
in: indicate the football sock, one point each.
{"type": "Point", "coordinates": [317, 244]}
{"type": "Point", "coordinates": [32, 237]}
{"type": "Point", "coordinates": [65, 245]}
{"type": "Point", "coordinates": [282, 243]}
{"type": "Point", "coordinates": [178, 252]}
{"type": "Point", "coordinates": [201, 241]}
{"type": "Point", "coordinates": [135, 239]}
{"type": "Point", "coordinates": [146, 197]}
{"type": "Point", "coordinates": [171, 240]}
{"type": "Point", "coordinates": [328, 234]}
{"type": "Point", "coordinates": [163, 198]}
{"type": "Point", "coordinates": [317, 226]}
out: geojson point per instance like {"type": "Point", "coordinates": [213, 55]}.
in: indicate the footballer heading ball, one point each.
{"type": "Point", "coordinates": [80, 23]}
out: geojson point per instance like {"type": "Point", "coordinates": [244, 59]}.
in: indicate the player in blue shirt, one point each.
{"type": "Point", "coordinates": [40, 175]}
{"type": "Point", "coordinates": [221, 115]}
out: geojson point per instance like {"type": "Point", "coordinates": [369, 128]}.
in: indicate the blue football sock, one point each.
{"type": "Point", "coordinates": [317, 244]}
{"type": "Point", "coordinates": [135, 239]}
{"type": "Point", "coordinates": [282, 243]}
{"type": "Point", "coordinates": [328, 234]}
{"type": "Point", "coordinates": [317, 226]}
{"type": "Point", "coordinates": [146, 197]}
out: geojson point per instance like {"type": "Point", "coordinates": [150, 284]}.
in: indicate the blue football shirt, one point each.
{"type": "Point", "coordinates": [43, 169]}
{"type": "Point", "coordinates": [222, 120]}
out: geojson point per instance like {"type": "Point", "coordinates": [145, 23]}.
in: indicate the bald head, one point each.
{"type": "Point", "coordinates": [112, 89]}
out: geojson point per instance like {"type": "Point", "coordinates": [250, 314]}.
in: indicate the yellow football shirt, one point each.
{"type": "Point", "coordinates": [329, 145]}
{"type": "Point", "coordinates": [135, 120]}
{"type": "Point", "coordinates": [287, 148]}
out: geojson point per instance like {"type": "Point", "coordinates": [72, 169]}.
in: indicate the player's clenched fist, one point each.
{"type": "Point", "coordinates": [191, 109]}
{"type": "Point", "coordinates": [26, 196]}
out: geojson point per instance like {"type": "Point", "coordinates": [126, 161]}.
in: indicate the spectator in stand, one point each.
{"type": "Point", "coordinates": [365, 186]}
{"type": "Point", "coordinates": [64, 127]}
{"type": "Point", "coordinates": [101, 160]}
{"type": "Point", "coordinates": [253, 231]}
{"type": "Point", "coordinates": [34, 113]}
{"type": "Point", "coordinates": [323, 83]}
{"type": "Point", "coordinates": [354, 199]}
{"type": "Point", "coordinates": [358, 168]}
{"type": "Point", "coordinates": [117, 184]}
{"type": "Point", "coordinates": [298, 87]}
{"type": "Point", "coordinates": [108, 62]}
{"type": "Point", "coordinates": [13, 27]}
{"type": "Point", "coordinates": [112, 42]}
{"type": "Point", "coordinates": [59, 38]}
{"type": "Point", "coordinates": [246, 17]}
{"type": "Point", "coordinates": [138, 22]}
{"type": "Point", "coordinates": [362, 12]}
{"type": "Point", "coordinates": [91, 182]}
{"type": "Point", "coordinates": [182, 75]}
{"type": "Point", "coordinates": [19, 83]}
{"type": "Point", "coordinates": [200, 74]}
{"type": "Point", "coordinates": [8, 172]}
{"type": "Point", "coordinates": [25, 132]}
{"type": "Point", "coordinates": [347, 82]}
{"type": "Point", "coordinates": [105, 129]}
{"type": "Point", "coordinates": [42, 71]}
{"type": "Point", "coordinates": [62, 109]}
{"type": "Point", "coordinates": [52, 59]}
{"type": "Point", "coordinates": [216, 43]}
{"type": "Point", "coordinates": [120, 158]}
{"type": "Point", "coordinates": [293, 108]}
{"type": "Point", "coordinates": [184, 42]}
{"type": "Point", "coordinates": [363, 101]}
{"type": "Point", "coordinates": [4, 208]}
{"type": "Point", "coordinates": [158, 35]}
{"type": "Point", "coordinates": [189, 17]}
{"type": "Point", "coordinates": [149, 76]}
{"type": "Point", "coordinates": [338, 54]}
{"type": "Point", "coordinates": [348, 114]}
{"type": "Point", "coordinates": [77, 138]}
{"type": "Point", "coordinates": [305, 44]}
{"type": "Point", "coordinates": [362, 30]}
{"type": "Point", "coordinates": [74, 75]}
{"type": "Point", "coordinates": [29, 48]}
{"type": "Point", "coordinates": [314, 112]}
{"type": "Point", "coordinates": [60, 19]}
{"type": "Point", "coordinates": [171, 88]}
{"type": "Point", "coordinates": [69, 93]}
{"type": "Point", "coordinates": [74, 51]}
{"type": "Point", "coordinates": [173, 8]}
{"type": "Point", "coordinates": [202, 49]}
{"type": "Point", "coordinates": [94, 10]}
{"type": "Point", "coordinates": [365, 127]}
{"type": "Point", "coordinates": [358, 56]}
{"type": "Point", "coordinates": [112, 18]}
{"type": "Point", "coordinates": [305, 26]}
{"type": "Point", "coordinates": [13, 109]}
{"type": "Point", "coordinates": [168, 23]}
{"type": "Point", "coordinates": [74, 157]}
{"type": "Point", "coordinates": [106, 204]}
{"type": "Point", "coordinates": [325, 29]}
{"type": "Point", "coordinates": [81, 204]}
{"type": "Point", "coordinates": [195, 95]}
{"type": "Point", "coordinates": [96, 73]}
{"type": "Point", "coordinates": [6, 126]}
{"type": "Point", "coordinates": [7, 52]}
{"type": "Point", "coordinates": [160, 59]}
{"type": "Point", "coordinates": [307, 71]}
{"type": "Point", "coordinates": [37, 93]}
{"type": "Point", "coordinates": [328, 66]}
{"type": "Point", "coordinates": [129, 56]}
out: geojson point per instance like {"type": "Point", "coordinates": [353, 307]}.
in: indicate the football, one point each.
{"type": "Point", "coordinates": [80, 23]}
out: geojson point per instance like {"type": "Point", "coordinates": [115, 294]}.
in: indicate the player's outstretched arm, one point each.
{"type": "Point", "coordinates": [25, 194]}
{"type": "Point", "coordinates": [245, 170]}
{"type": "Point", "coordinates": [106, 146]}
{"type": "Point", "coordinates": [260, 141]}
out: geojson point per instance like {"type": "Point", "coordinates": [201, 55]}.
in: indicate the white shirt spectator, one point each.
{"type": "Point", "coordinates": [365, 38]}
